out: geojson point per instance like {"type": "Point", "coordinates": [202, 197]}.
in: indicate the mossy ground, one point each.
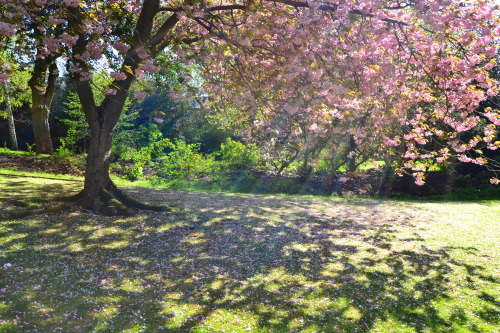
{"type": "Point", "coordinates": [247, 263]}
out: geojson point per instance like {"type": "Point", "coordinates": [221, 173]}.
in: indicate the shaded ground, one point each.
{"type": "Point", "coordinates": [40, 164]}
{"type": "Point", "coordinates": [249, 263]}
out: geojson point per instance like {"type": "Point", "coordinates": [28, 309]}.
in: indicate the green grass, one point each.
{"type": "Point", "coordinates": [248, 263]}
{"type": "Point", "coordinates": [6, 151]}
{"type": "Point", "coordinates": [38, 174]}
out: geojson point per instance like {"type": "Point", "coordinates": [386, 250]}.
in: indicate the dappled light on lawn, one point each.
{"type": "Point", "coordinates": [251, 263]}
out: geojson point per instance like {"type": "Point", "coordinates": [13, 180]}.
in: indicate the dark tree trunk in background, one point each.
{"type": "Point", "coordinates": [351, 165]}
{"type": "Point", "coordinates": [42, 85]}
{"type": "Point", "coordinates": [10, 117]}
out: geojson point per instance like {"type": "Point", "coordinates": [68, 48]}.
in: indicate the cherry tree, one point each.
{"type": "Point", "coordinates": [367, 68]}
{"type": "Point", "coordinates": [406, 73]}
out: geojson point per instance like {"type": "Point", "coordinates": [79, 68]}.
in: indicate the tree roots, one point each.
{"type": "Point", "coordinates": [112, 202]}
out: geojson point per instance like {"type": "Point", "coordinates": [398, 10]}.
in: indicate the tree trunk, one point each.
{"type": "Point", "coordinates": [42, 85]}
{"type": "Point", "coordinates": [10, 118]}
{"type": "Point", "coordinates": [351, 165]}
{"type": "Point", "coordinates": [40, 121]}
{"type": "Point", "coordinates": [97, 168]}
{"type": "Point", "coordinates": [99, 192]}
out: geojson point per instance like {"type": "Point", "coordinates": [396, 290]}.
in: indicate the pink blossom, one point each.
{"type": "Point", "coordinates": [464, 158]}
{"type": "Point", "coordinates": [121, 47]}
{"type": "Point", "coordinates": [489, 66]}
{"type": "Point", "coordinates": [142, 53]}
{"type": "Point", "coordinates": [440, 159]}
{"type": "Point", "coordinates": [421, 141]}
{"type": "Point", "coordinates": [150, 67]}
{"type": "Point", "coordinates": [314, 128]}
{"type": "Point", "coordinates": [4, 77]}
{"type": "Point", "coordinates": [419, 181]}
{"type": "Point", "coordinates": [491, 92]}
{"type": "Point", "coordinates": [7, 29]}
{"type": "Point", "coordinates": [118, 76]}
{"type": "Point", "coordinates": [419, 178]}
{"type": "Point", "coordinates": [491, 51]}
{"type": "Point", "coordinates": [139, 72]}
{"type": "Point", "coordinates": [478, 161]}
{"type": "Point", "coordinates": [140, 95]}
{"type": "Point", "coordinates": [390, 142]}
{"type": "Point", "coordinates": [68, 39]}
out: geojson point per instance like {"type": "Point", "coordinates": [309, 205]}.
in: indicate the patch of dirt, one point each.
{"type": "Point", "coordinates": [47, 164]}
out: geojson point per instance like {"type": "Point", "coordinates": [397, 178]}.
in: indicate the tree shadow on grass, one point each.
{"type": "Point", "coordinates": [21, 197]}
{"type": "Point", "coordinates": [238, 263]}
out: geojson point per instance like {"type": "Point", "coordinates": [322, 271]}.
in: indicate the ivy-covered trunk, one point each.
{"type": "Point", "coordinates": [42, 85]}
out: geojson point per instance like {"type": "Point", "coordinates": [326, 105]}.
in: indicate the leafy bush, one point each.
{"type": "Point", "coordinates": [185, 161]}
{"type": "Point", "coordinates": [153, 150]}
{"type": "Point", "coordinates": [238, 156]}
{"type": "Point", "coordinates": [133, 173]}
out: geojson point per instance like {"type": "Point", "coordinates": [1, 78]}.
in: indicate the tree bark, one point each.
{"type": "Point", "coordinates": [42, 85]}
{"type": "Point", "coordinates": [99, 193]}
{"type": "Point", "coordinates": [97, 168]}
{"type": "Point", "coordinates": [10, 118]}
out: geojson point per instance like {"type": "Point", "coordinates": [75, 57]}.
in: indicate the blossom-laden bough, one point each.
{"type": "Point", "coordinates": [405, 74]}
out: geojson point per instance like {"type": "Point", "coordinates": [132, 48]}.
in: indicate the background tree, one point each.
{"type": "Point", "coordinates": [10, 115]}
{"type": "Point", "coordinates": [37, 30]}
{"type": "Point", "coordinates": [14, 94]}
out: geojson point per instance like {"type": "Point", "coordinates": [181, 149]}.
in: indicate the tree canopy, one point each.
{"type": "Point", "coordinates": [409, 74]}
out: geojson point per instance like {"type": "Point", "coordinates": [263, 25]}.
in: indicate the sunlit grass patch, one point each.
{"type": "Point", "coordinates": [177, 313]}
{"type": "Point", "coordinates": [38, 177]}
{"type": "Point", "coordinates": [230, 321]}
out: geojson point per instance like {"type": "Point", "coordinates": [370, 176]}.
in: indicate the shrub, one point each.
{"type": "Point", "coordinates": [238, 156]}
{"type": "Point", "coordinates": [185, 161]}
{"type": "Point", "coordinates": [133, 173]}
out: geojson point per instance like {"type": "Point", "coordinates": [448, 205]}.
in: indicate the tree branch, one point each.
{"type": "Point", "coordinates": [160, 35]}
{"type": "Point", "coordinates": [210, 9]}
{"type": "Point", "coordinates": [333, 8]}
{"type": "Point", "coordinates": [51, 80]}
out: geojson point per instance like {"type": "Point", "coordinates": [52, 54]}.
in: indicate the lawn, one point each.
{"type": "Point", "coordinates": [247, 263]}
